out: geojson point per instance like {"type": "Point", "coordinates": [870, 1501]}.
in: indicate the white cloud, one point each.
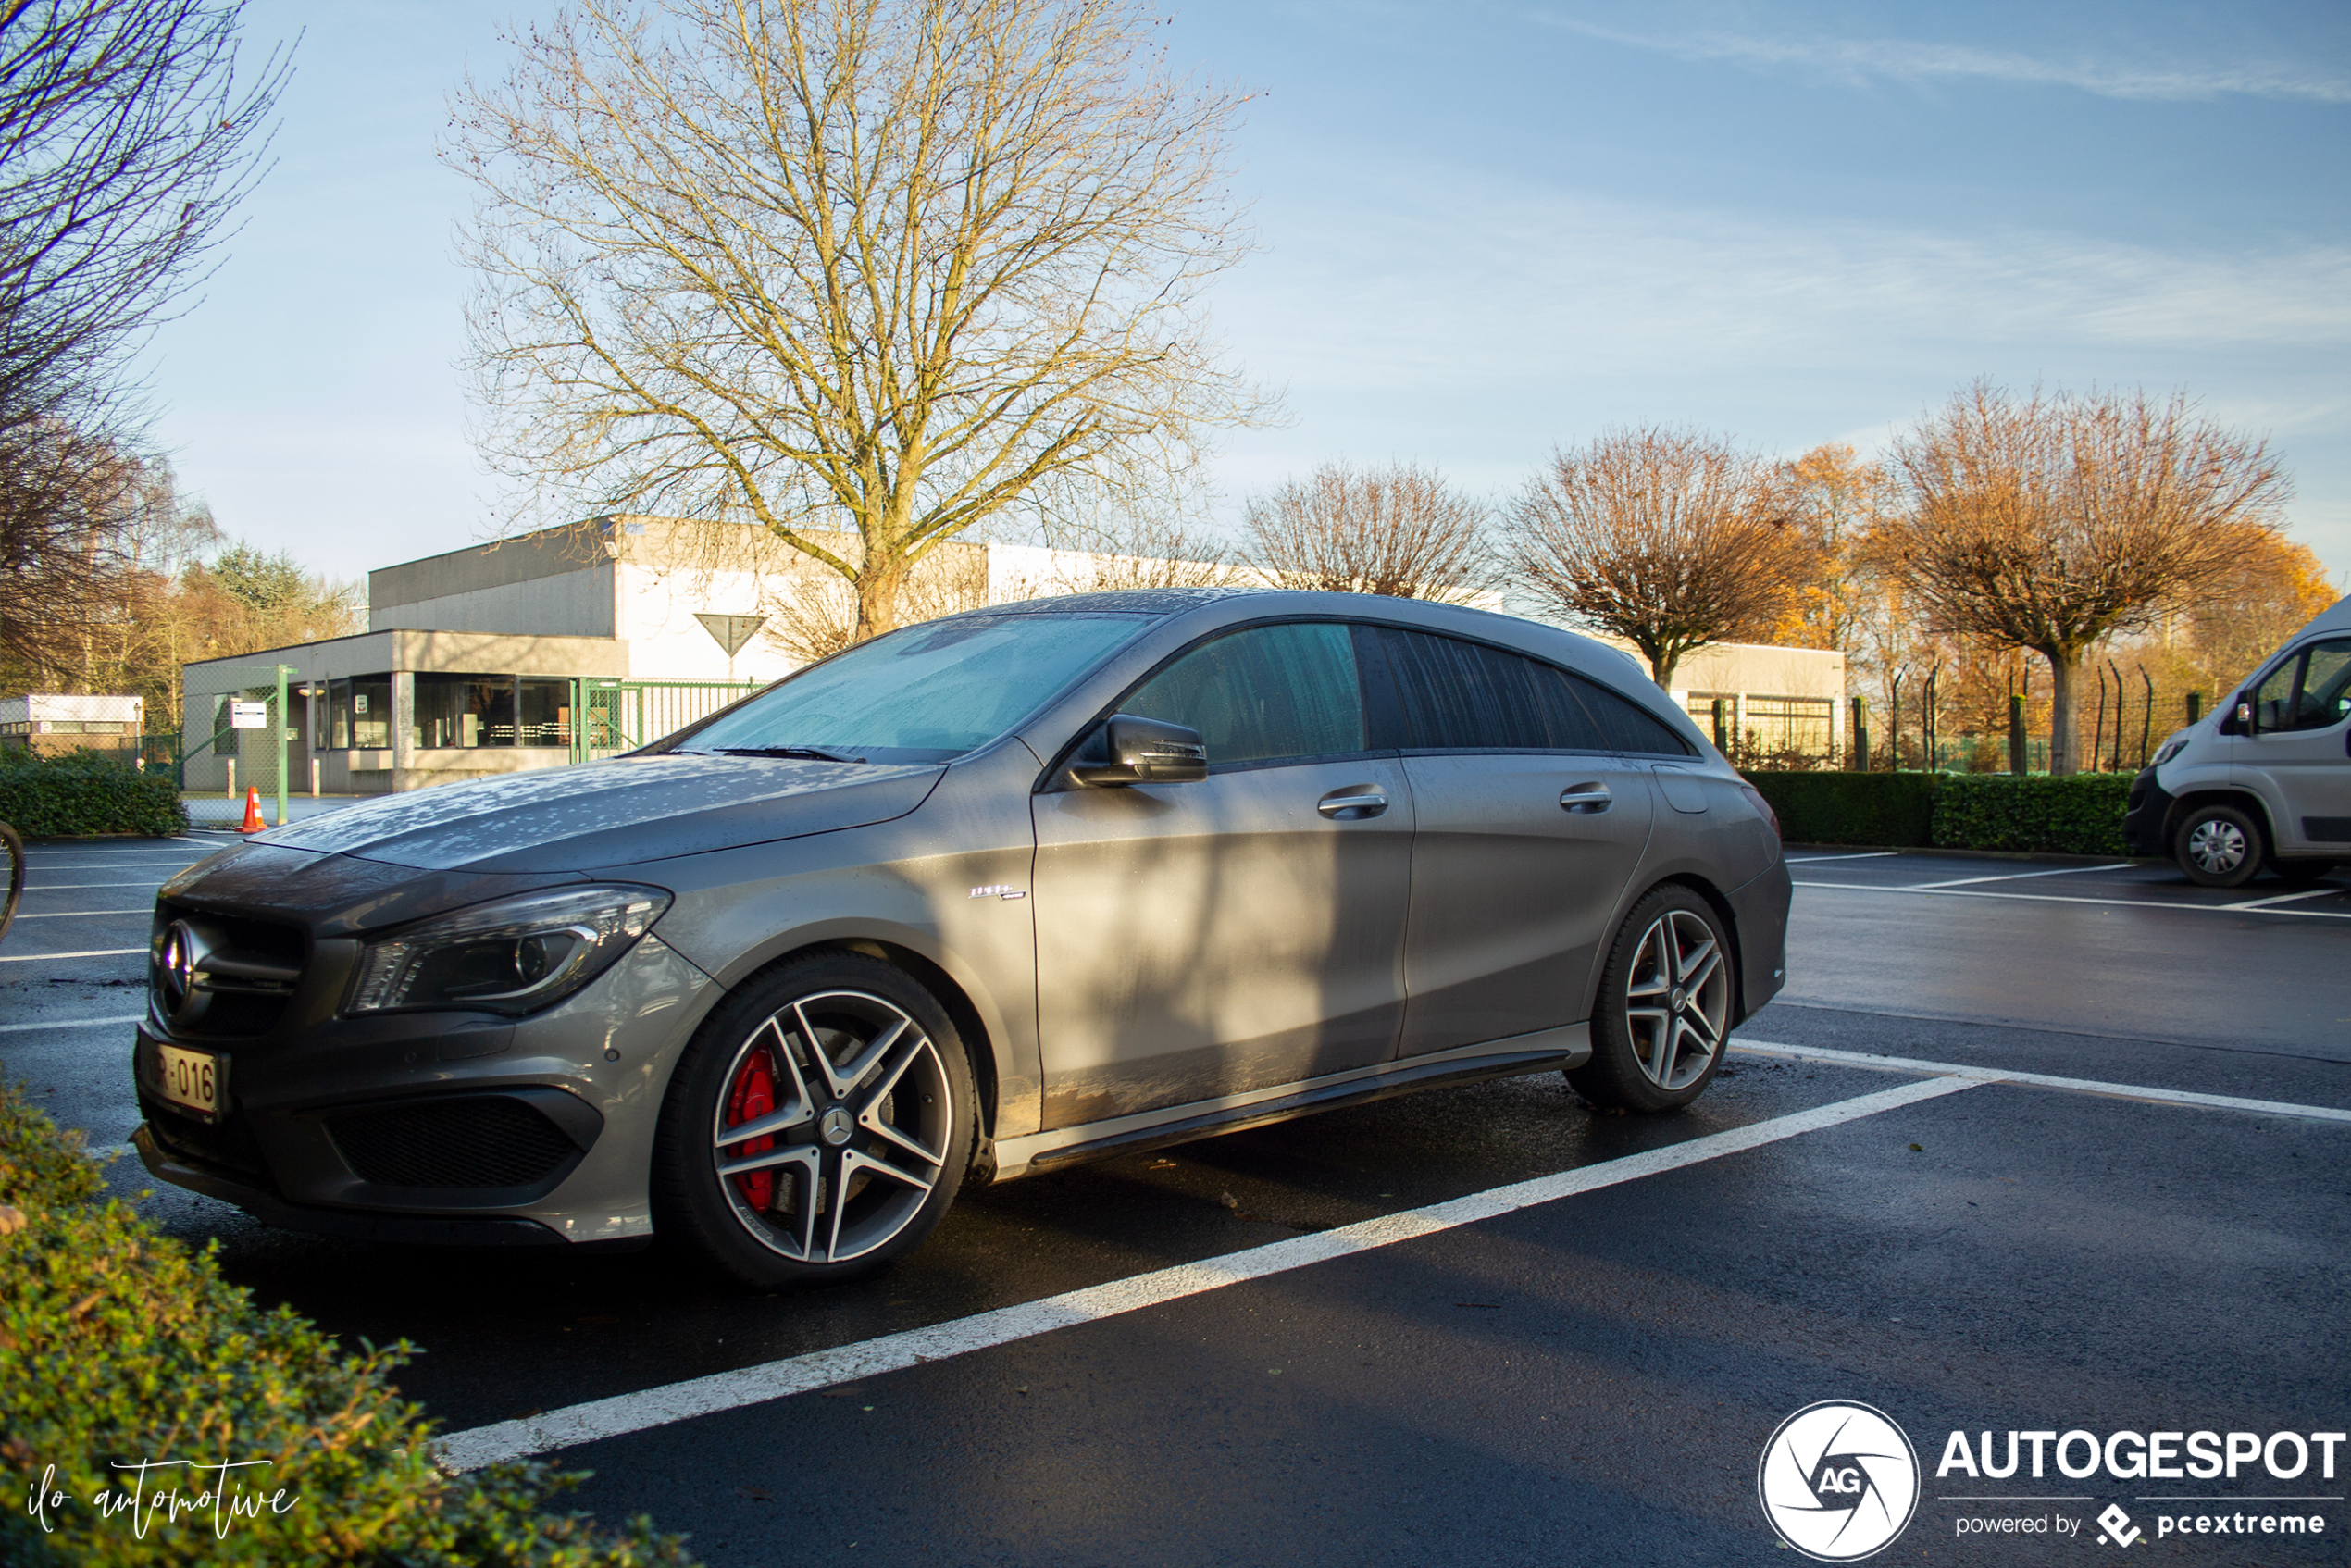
{"type": "Point", "coordinates": [1860, 61]}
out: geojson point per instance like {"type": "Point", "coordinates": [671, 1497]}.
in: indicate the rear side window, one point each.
{"type": "Point", "coordinates": [1629, 725]}
{"type": "Point", "coordinates": [1461, 696]}
{"type": "Point", "coordinates": [1263, 694]}
{"type": "Point", "coordinates": [1464, 696]}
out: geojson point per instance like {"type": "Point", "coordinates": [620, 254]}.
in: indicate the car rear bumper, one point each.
{"type": "Point", "coordinates": [1760, 908]}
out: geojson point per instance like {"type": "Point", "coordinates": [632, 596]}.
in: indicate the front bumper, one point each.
{"type": "Point", "coordinates": [2147, 808]}
{"type": "Point", "coordinates": [416, 1128]}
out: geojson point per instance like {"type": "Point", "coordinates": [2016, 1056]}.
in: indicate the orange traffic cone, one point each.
{"type": "Point", "coordinates": [253, 823]}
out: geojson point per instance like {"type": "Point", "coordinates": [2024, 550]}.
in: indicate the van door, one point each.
{"type": "Point", "coordinates": [2298, 758]}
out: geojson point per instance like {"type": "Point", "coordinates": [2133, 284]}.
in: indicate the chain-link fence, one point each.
{"type": "Point", "coordinates": [236, 736]}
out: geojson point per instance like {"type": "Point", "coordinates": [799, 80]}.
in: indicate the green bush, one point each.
{"type": "Point", "coordinates": [1887, 810]}
{"type": "Point", "coordinates": [84, 793]}
{"type": "Point", "coordinates": [1953, 811]}
{"type": "Point", "coordinates": [119, 1345]}
{"type": "Point", "coordinates": [1990, 811]}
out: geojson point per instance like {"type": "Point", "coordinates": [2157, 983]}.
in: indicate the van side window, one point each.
{"type": "Point", "coordinates": [2310, 691]}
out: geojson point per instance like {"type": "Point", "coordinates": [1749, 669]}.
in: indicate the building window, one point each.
{"type": "Point", "coordinates": [465, 711]}
{"type": "Point", "coordinates": [359, 714]}
{"type": "Point", "coordinates": [545, 711]}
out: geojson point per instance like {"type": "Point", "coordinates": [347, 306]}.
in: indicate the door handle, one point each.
{"type": "Point", "coordinates": [1587, 798]}
{"type": "Point", "coordinates": [1340, 806]}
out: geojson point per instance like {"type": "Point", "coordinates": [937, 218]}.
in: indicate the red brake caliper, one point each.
{"type": "Point", "coordinates": [753, 1096]}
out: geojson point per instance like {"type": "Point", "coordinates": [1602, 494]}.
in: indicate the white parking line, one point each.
{"type": "Point", "coordinates": [2043, 1080]}
{"type": "Point", "coordinates": [70, 1024]}
{"type": "Point", "coordinates": [597, 1419]}
{"type": "Point", "coordinates": [75, 914]}
{"type": "Point", "coordinates": [2109, 903]}
{"type": "Point", "coordinates": [1865, 854]}
{"type": "Point", "coordinates": [2284, 898]}
{"type": "Point", "coordinates": [2019, 876]}
{"type": "Point", "coordinates": [93, 953]}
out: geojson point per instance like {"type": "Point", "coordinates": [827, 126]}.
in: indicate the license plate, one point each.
{"type": "Point", "coordinates": [196, 1081]}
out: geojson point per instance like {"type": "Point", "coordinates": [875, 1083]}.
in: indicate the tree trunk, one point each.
{"type": "Point", "coordinates": [2065, 678]}
{"type": "Point", "coordinates": [879, 582]}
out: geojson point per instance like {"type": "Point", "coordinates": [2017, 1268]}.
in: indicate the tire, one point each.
{"type": "Point", "coordinates": [1663, 1017]}
{"type": "Point", "coordinates": [882, 1109]}
{"type": "Point", "coordinates": [2219, 846]}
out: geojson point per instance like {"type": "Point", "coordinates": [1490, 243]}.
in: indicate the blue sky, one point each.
{"type": "Point", "coordinates": [1486, 230]}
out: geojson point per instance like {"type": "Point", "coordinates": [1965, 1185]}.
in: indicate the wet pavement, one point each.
{"type": "Point", "coordinates": [1592, 1378]}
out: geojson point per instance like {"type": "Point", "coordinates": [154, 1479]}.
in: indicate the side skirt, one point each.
{"type": "Point", "coordinates": [1568, 1046]}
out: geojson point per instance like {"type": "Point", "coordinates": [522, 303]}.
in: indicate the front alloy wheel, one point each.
{"type": "Point", "coordinates": [1664, 1013]}
{"type": "Point", "coordinates": [818, 1128]}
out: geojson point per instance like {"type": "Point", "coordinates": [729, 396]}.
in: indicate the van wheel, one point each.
{"type": "Point", "coordinates": [2220, 846]}
{"type": "Point", "coordinates": [1664, 1013]}
{"type": "Point", "coordinates": [816, 1128]}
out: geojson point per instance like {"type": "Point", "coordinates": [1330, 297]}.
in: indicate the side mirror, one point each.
{"type": "Point", "coordinates": [2244, 718]}
{"type": "Point", "coordinates": [1129, 749]}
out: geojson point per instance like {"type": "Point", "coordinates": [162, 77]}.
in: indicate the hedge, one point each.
{"type": "Point", "coordinates": [1896, 810]}
{"type": "Point", "coordinates": [1957, 810]}
{"type": "Point", "coordinates": [1989, 811]}
{"type": "Point", "coordinates": [81, 793]}
{"type": "Point", "coordinates": [117, 1344]}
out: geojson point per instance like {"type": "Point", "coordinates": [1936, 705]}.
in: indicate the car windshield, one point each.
{"type": "Point", "coordinates": [924, 693]}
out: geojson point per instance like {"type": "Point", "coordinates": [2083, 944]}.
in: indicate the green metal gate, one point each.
{"type": "Point", "coordinates": [620, 716]}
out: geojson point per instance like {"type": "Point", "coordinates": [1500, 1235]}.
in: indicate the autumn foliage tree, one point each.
{"type": "Point", "coordinates": [2051, 522]}
{"type": "Point", "coordinates": [1669, 538]}
{"type": "Point", "coordinates": [1398, 529]}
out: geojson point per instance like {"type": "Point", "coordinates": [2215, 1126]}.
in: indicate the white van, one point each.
{"type": "Point", "coordinates": [2263, 780]}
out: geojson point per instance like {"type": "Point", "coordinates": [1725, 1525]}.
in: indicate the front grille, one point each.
{"type": "Point", "coordinates": [227, 1144]}
{"type": "Point", "coordinates": [485, 1141]}
{"type": "Point", "coordinates": [252, 969]}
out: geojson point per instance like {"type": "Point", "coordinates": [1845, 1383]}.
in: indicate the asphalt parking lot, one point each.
{"type": "Point", "coordinates": [2026, 1146]}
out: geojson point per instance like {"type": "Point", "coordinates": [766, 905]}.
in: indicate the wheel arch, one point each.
{"type": "Point", "coordinates": [2216, 795]}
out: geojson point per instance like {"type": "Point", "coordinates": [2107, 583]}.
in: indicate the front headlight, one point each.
{"type": "Point", "coordinates": [2169, 750]}
{"type": "Point", "coordinates": [514, 956]}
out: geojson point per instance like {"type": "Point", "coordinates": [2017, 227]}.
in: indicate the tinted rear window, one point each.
{"type": "Point", "coordinates": [1466, 696]}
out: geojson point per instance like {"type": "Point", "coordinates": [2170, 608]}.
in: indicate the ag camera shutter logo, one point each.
{"type": "Point", "coordinates": [1838, 1481]}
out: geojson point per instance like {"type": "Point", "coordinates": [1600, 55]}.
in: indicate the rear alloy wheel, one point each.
{"type": "Point", "coordinates": [818, 1126]}
{"type": "Point", "coordinates": [2220, 846]}
{"type": "Point", "coordinates": [1664, 1013]}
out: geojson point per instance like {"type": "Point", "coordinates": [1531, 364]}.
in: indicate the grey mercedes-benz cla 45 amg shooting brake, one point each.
{"type": "Point", "coordinates": [971, 900]}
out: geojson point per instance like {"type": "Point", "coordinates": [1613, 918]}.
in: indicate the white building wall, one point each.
{"type": "Point", "coordinates": [654, 618]}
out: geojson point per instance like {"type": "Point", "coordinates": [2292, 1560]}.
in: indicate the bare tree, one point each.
{"type": "Point", "coordinates": [126, 141]}
{"type": "Point", "coordinates": [2051, 522]}
{"type": "Point", "coordinates": [1400, 530]}
{"type": "Point", "coordinates": [1668, 539]}
{"type": "Point", "coordinates": [884, 266]}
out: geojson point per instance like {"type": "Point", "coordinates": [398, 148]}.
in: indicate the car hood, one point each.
{"type": "Point", "coordinates": [617, 813]}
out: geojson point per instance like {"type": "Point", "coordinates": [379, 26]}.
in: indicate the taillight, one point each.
{"type": "Point", "coordinates": [1762, 808]}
